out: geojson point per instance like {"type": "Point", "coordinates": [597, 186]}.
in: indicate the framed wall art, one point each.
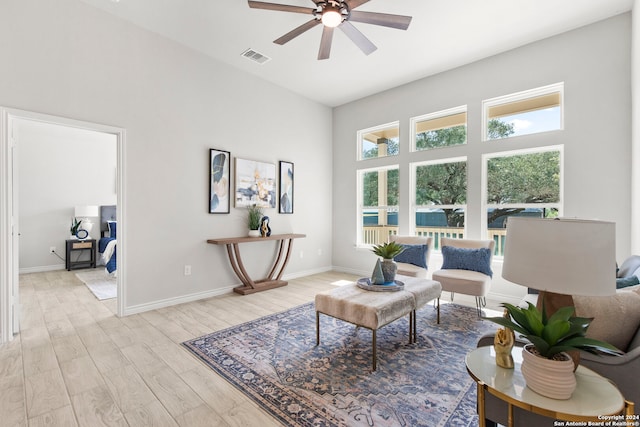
{"type": "Point", "coordinates": [255, 184]}
{"type": "Point", "coordinates": [286, 188]}
{"type": "Point", "coordinates": [219, 181]}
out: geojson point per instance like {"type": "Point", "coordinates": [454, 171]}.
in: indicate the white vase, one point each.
{"type": "Point", "coordinates": [254, 233]}
{"type": "Point", "coordinates": [550, 378]}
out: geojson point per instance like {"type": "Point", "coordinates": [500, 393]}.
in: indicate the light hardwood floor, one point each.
{"type": "Point", "coordinates": [75, 363]}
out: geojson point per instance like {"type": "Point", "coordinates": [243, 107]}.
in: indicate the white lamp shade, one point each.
{"type": "Point", "coordinates": [565, 256]}
{"type": "Point", "coordinates": [86, 211]}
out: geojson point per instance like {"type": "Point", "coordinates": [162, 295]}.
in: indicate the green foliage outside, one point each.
{"type": "Point", "coordinates": [526, 178]}
{"type": "Point", "coordinates": [370, 188]}
{"type": "Point", "coordinates": [392, 150]}
{"type": "Point", "coordinates": [441, 138]}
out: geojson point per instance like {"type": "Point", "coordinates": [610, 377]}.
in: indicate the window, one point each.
{"type": "Point", "coordinates": [523, 113]}
{"type": "Point", "coordinates": [441, 129]}
{"type": "Point", "coordinates": [379, 141]}
{"type": "Point", "coordinates": [440, 199]}
{"type": "Point", "coordinates": [378, 205]}
{"type": "Point", "coordinates": [521, 183]}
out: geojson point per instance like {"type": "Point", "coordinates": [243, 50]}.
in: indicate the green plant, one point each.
{"type": "Point", "coordinates": [555, 334]}
{"type": "Point", "coordinates": [75, 226]}
{"type": "Point", "coordinates": [388, 250]}
{"type": "Point", "coordinates": [255, 214]}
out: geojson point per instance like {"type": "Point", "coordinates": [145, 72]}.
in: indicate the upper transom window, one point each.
{"type": "Point", "coordinates": [523, 113]}
{"type": "Point", "coordinates": [379, 141]}
{"type": "Point", "coordinates": [442, 129]}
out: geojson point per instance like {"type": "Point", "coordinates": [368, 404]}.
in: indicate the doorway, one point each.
{"type": "Point", "coordinates": [13, 123]}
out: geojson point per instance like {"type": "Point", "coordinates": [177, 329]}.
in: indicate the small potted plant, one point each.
{"type": "Point", "coordinates": [254, 218]}
{"type": "Point", "coordinates": [388, 251]}
{"type": "Point", "coordinates": [546, 366]}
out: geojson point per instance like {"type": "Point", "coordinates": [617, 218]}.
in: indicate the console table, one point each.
{"type": "Point", "coordinates": [250, 286]}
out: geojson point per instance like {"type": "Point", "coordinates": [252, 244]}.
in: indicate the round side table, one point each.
{"type": "Point", "coordinates": [595, 397]}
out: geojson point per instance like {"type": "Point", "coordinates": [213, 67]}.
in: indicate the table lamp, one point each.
{"type": "Point", "coordinates": [560, 258]}
{"type": "Point", "coordinates": [84, 213]}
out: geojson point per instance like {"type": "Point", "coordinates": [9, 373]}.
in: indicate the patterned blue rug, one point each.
{"type": "Point", "coordinates": [275, 362]}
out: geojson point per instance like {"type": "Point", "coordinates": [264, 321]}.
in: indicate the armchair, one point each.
{"type": "Point", "coordinates": [415, 261]}
{"type": "Point", "coordinates": [466, 268]}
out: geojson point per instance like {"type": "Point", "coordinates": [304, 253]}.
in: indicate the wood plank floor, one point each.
{"type": "Point", "coordinates": [75, 363]}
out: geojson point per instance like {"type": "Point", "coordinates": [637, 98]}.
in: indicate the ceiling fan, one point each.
{"type": "Point", "coordinates": [332, 14]}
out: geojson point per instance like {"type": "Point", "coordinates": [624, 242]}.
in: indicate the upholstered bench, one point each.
{"type": "Point", "coordinates": [374, 310]}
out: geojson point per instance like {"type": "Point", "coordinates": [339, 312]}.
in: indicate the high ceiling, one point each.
{"type": "Point", "coordinates": [443, 34]}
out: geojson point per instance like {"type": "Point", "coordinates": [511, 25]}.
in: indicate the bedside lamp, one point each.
{"type": "Point", "coordinates": [560, 258]}
{"type": "Point", "coordinates": [84, 213]}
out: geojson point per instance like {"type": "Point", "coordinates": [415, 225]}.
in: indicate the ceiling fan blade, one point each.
{"type": "Point", "coordinates": [325, 43]}
{"type": "Point", "coordinates": [281, 7]}
{"type": "Point", "coordinates": [358, 38]}
{"type": "Point", "coordinates": [355, 3]}
{"type": "Point", "coordinates": [297, 31]}
{"type": "Point", "coordinates": [400, 22]}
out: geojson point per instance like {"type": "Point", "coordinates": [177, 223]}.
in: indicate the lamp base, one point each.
{"type": "Point", "coordinates": [552, 303]}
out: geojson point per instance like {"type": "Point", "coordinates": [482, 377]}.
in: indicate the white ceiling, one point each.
{"type": "Point", "coordinates": [443, 34]}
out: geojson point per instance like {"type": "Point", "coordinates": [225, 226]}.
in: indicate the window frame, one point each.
{"type": "Point", "coordinates": [521, 96]}
{"type": "Point", "coordinates": [360, 136]}
{"type": "Point", "coordinates": [360, 201]}
{"type": "Point", "coordinates": [413, 123]}
{"type": "Point", "coordinates": [485, 206]}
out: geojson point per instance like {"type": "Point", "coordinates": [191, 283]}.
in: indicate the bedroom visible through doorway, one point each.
{"type": "Point", "coordinates": [56, 168]}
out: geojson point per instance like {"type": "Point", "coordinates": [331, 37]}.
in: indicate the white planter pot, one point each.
{"type": "Point", "coordinates": [254, 233]}
{"type": "Point", "coordinates": [550, 378]}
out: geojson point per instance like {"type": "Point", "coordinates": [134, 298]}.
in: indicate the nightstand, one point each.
{"type": "Point", "coordinates": [80, 246]}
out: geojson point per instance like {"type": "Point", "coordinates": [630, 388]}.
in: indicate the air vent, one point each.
{"type": "Point", "coordinates": [255, 56]}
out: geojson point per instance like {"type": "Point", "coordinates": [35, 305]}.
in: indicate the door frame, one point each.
{"type": "Point", "coordinates": [8, 236]}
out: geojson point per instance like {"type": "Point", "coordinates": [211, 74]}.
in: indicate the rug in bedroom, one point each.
{"type": "Point", "coordinates": [99, 283]}
{"type": "Point", "coordinates": [274, 361]}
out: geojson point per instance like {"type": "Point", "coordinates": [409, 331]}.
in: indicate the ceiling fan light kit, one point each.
{"type": "Point", "coordinates": [332, 14]}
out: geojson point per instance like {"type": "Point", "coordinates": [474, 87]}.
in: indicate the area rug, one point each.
{"type": "Point", "coordinates": [274, 361]}
{"type": "Point", "coordinates": [99, 283]}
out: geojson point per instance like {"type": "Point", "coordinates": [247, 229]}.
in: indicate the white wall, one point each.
{"type": "Point", "coordinates": [68, 59]}
{"type": "Point", "coordinates": [59, 168]}
{"type": "Point", "coordinates": [594, 64]}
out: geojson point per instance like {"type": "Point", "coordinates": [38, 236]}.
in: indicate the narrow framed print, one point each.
{"type": "Point", "coordinates": [286, 188]}
{"type": "Point", "coordinates": [219, 182]}
{"type": "Point", "coordinates": [255, 184]}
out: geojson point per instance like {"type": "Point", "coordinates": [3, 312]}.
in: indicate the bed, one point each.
{"type": "Point", "coordinates": [107, 242]}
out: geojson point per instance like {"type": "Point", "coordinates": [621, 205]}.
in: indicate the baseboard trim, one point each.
{"type": "Point", "coordinates": [154, 305]}
{"type": "Point", "coordinates": [42, 269]}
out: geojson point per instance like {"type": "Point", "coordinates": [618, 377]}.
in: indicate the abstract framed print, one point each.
{"type": "Point", "coordinates": [219, 181]}
{"type": "Point", "coordinates": [255, 184]}
{"type": "Point", "coordinates": [286, 188]}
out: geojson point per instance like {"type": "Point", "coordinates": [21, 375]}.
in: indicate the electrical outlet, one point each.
{"type": "Point", "coordinates": [319, 251]}
{"type": "Point", "coordinates": [52, 249]}
{"type": "Point", "coordinates": [187, 270]}
{"type": "Point", "coordinates": [301, 254]}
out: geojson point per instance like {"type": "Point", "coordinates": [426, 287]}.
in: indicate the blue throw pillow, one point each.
{"type": "Point", "coordinates": [467, 259]}
{"type": "Point", "coordinates": [413, 254]}
{"type": "Point", "coordinates": [112, 228]}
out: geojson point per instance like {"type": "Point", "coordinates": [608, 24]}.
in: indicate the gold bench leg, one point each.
{"type": "Point", "coordinates": [317, 328]}
{"type": "Point", "coordinates": [375, 356]}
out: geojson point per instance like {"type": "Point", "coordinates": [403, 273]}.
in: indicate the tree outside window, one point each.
{"type": "Point", "coordinates": [524, 184]}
